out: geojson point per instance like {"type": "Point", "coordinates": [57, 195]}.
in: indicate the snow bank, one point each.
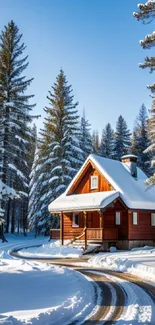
{"type": "Point", "coordinates": [140, 261]}
{"type": "Point", "coordinates": [53, 249]}
{"type": "Point", "coordinates": [39, 293]}
{"type": "Point", "coordinates": [5, 255]}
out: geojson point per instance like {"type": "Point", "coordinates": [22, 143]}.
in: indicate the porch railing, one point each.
{"type": "Point", "coordinates": [94, 233]}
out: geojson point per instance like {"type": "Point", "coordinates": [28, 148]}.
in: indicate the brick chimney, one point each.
{"type": "Point", "coordinates": [130, 161]}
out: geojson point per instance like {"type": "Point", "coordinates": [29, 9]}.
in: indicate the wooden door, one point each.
{"type": "Point", "coordinates": [93, 220]}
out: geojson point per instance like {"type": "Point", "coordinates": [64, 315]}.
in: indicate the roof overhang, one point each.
{"type": "Point", "coordinates": [83, 202]}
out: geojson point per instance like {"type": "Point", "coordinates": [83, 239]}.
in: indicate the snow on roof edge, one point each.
{"type": "Point", "coordinates": [111, 196]}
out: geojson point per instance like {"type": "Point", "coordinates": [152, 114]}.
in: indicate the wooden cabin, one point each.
{"type": "Point", "coordinates": [108, 202]}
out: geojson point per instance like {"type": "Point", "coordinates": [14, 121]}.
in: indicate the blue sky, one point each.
{"type": "Point", "coordinates": [96, 42]}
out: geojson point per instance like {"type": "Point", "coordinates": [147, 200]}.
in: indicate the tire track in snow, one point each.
{"type": "Point", "coordinates": [137, 303]}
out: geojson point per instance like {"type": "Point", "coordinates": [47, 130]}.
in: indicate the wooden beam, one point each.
{"type": "Point", "coordinates": [121, 202]}
{"type": "Point", "coordinates": [129, 222]}
{"type": "Point", "coordinates": [85, 226]}
{"type": "Point", "coordinates": [62, 228]}
{"type": "Point", "coordinates": [102, 225]}
{"type": "Point", "coordinates": [101, 217]}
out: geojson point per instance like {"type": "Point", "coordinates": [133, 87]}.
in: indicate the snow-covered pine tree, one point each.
{"type": "Point", "coordinates": [141, 140]}
{"type": "Point", "coordinates": [59, 150]}
{"type": "Point", "coordinates": [14, 116]}
{"type": "Point", "coordinates": [146, 13]}
{"type": "Point", "coordinates": [107, 142]}
{"type": "Point", "coordinates": [95, 142]}
{"type": "Point", "coordinates": [35, 186]}
{"type": "Point", "coordinates": [134, 142]}
{"type": "Point", "coordinates": [85, 138]}
{"type": "Point", "coordinates": [122, 140]}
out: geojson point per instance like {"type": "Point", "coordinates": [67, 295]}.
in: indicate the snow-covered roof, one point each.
{"type": "Point", "coordinates": [134, 192]}
{"type": "Point", "coordinates": [83, 202]}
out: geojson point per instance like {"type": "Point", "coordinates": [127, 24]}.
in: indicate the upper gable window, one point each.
{"type": "Point", "coordinates": [94, 182]}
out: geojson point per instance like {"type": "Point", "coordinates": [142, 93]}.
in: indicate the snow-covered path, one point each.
{"type": "Point", "coordinates": [68, 296]}
{"type": "Point", "coordinates": [17, 242]}
{"type": "Point", "coordinates": [40, 293]}
{"type": "Point", "coordinates": [128, 300]}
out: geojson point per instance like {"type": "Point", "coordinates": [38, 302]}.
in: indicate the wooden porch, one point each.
{"type": "Point", "coordinates": [94, 226]}
{"type": "Point", "coordinates": [87, 234]}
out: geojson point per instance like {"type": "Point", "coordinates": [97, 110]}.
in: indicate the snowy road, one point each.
{"type": "Point", "coordinates": [122, 299]}
{"type": "Point", "coordinates": [125, 299]}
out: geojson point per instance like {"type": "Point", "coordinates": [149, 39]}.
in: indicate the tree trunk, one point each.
{"type": "Point", "coordinates": [13, 217]}
{"type": "Point", "coordinates": [8, 216]}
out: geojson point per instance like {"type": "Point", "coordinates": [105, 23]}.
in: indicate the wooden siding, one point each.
{"type": "Point", "coordinates": [54, 233]}
{"type": "Point", "coordinates": [93, 219]}
{"type": "Point", "coordinates": [94, 233]}
{"type": "Point", "coordinates": [109, 222]}
{"type": "Point", "coordinates": [111, 234]}
{"type": "Point", "coordinates": [111, 231]}
{"type": "Point", "coordinates": [82, 184]}
{"type": "Point", "coordinates": [143, 230]}
{"type": "Point", "coordinates": [69, 230]}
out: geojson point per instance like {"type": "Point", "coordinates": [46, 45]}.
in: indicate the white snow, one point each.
{"type": "Point", "coordinates": [39, 293]}
{"type": "Point", "coordinates": [7, 190]}
{"type": "Point", "coordinates": [53, 250]}
{"type": "Point", "coordinates": [140, 261]}
{"type": "Point", "coordinates": [134, 192]}
{"type": "Point", "coordinates": [19, 173]}
{"type": "Point", "coordinates": [83, 201]}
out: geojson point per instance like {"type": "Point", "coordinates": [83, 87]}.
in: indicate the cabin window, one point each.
{"type": "Point", "coordinates": [118, 218]}
{"type": "Point", "coordinates": [75, 220]}
{"type": "Point", "coordinates": [134, 218]}
{"type": "Point", "coordinates": [94, 182]}
{"type": "Point", "coordinates": [152, 219]}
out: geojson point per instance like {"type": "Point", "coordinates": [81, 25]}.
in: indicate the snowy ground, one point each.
{"type": "Point", "coordinates": [140, 261]}
{"type": "Point", "coordinates": [53, 250]}
{"type": "Point", "coordinates": [40, 294]}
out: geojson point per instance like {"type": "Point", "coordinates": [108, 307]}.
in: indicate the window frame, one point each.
{"type": "Point", "coordinates": [74, 224]}
{"type": "Point", "coordinates": [92, 187]}
{"type": "Point", "coordinates": [152, 223]}
{"type": "Point", "coordinates": [133, 221]}
{"type": "Point", "coordinates": [116, 223]}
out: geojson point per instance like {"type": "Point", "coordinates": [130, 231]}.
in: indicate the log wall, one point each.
{"type": "Point", "coordinates": [143, 230]}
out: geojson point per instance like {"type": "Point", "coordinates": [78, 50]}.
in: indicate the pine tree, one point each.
{"type": "Point", "coordinates": [59, 151]}
{"type": "Point", "coordinates": [14, 115]}
{"type": "Point", "coordinates": [85, 140]}
{"type": "Point", "coordinates": [34, 194]}
{"type": "Point", "coordinates": [107, 142]}
{"type": "Point", "coordinates": [146, 13]}
{"type": "Point", "coordinates": [122, 139]}
{"type": "Point", "coordinates": [134, 142]}
{"type": "Point", "coordinates": [95, 142]}
{"type": "Point", "coordinates": [140, 140]}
